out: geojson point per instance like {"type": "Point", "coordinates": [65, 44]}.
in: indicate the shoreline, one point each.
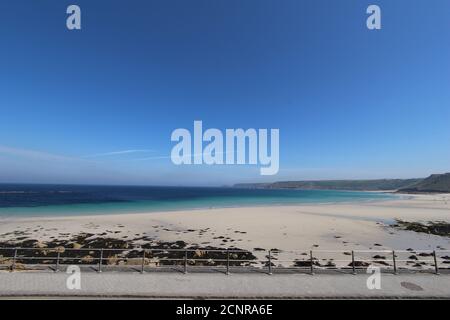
{"type": "Point", "coordinates": [192, 209]}
{"type": "Point", "coordinates": [276, 226]}
{"type": "Point", "coordinates": [332, 231]}
{"type": "Point", "coordinates": [129, 212]}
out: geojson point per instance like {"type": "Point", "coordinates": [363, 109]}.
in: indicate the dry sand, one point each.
{"type": "Point", "coordinates": [355, 226]}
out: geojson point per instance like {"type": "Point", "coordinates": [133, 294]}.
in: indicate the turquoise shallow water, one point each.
{"type": "Point", "coordinates": [60, 200]}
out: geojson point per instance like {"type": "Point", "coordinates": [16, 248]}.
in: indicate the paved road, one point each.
{"type": "Point", "coordinates": [217, 285]}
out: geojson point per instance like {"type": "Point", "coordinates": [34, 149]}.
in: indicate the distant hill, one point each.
{"type": "Point", "coordinates": [434, 183]}
{"type": "Point", "coordinates": [362, 185]}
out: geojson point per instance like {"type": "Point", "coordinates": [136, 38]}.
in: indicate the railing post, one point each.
{"type": "Point", "coordinates": [311, 260]}
{"type": "Point", "coordinates": [57, 263]}
{"type": "Point", "coordinates": [228, 262]}
{"type": "Point", "coordinates": [270, 261]}
{"type": "Point", "coordinates": [100, 261]}
{"type": "Point", "coordinates": [13, 266]}
{"type": "Point", "coordinates": [436, 267]}
{"type": "Point", "coordinates": [394, 261]}
{"type": "Point", "coordinates": [185, 262]}
{"type": "Point", "coordinates": [143, 261]}
{"type": "Point", "coordinates": [353, 262]}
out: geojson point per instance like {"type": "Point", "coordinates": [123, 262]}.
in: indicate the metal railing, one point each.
{"type": "Point", "coordinates": [226, 259]}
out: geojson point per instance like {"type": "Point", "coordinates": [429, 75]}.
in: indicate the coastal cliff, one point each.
{"type": "Point", "coordinates": [435, 183]}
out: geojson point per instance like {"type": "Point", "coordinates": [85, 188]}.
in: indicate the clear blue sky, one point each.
{"type": "Point", "coordinates": [349, 102]}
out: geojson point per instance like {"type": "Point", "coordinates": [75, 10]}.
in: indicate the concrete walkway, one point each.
{"type": "Point", "coordinates": [216, 285]}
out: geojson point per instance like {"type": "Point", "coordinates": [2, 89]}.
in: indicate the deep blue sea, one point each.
{"type": "Point", "coordinates": [62, 200]}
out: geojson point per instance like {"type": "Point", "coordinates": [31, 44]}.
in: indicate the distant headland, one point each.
{"type": "Point", "coordinates": [435, 183]}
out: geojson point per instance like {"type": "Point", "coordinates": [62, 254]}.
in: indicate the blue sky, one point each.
{"type": "Point", "coordinates": [98, 105]}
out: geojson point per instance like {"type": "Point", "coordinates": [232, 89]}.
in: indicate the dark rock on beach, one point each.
{"type": "Point", "coordinates": [305, 263]}
{"type": "Point", "coordinates": [440, 228]}
{"type": "Point", "coordinates": [83, 249]}
{"type": "Point", "coordinates": [359, 264]}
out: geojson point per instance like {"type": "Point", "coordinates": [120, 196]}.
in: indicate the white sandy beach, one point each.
{"type": "Point", "coordinates": [357, 226]}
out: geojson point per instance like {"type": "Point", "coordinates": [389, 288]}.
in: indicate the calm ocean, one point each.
{"type": "Point", "coordinates": [62, 200]}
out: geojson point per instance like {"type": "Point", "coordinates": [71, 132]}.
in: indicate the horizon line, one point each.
{"type": "Point", "coordinates": [194, 186]}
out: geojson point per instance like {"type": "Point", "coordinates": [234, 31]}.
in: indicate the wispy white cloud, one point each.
{"type": "Point", "coordinates": [19, 165]}
{"type": "Point", "coordinates": [152, 158]}
{"type": "Point", "coordinates": [121, 152]}
{"type": "Point", "coordinates": [188, 155]}
{"type": "Point", "coordinates": [43, 155]}
{"type": "Point", "coordinates": [34, 154]}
